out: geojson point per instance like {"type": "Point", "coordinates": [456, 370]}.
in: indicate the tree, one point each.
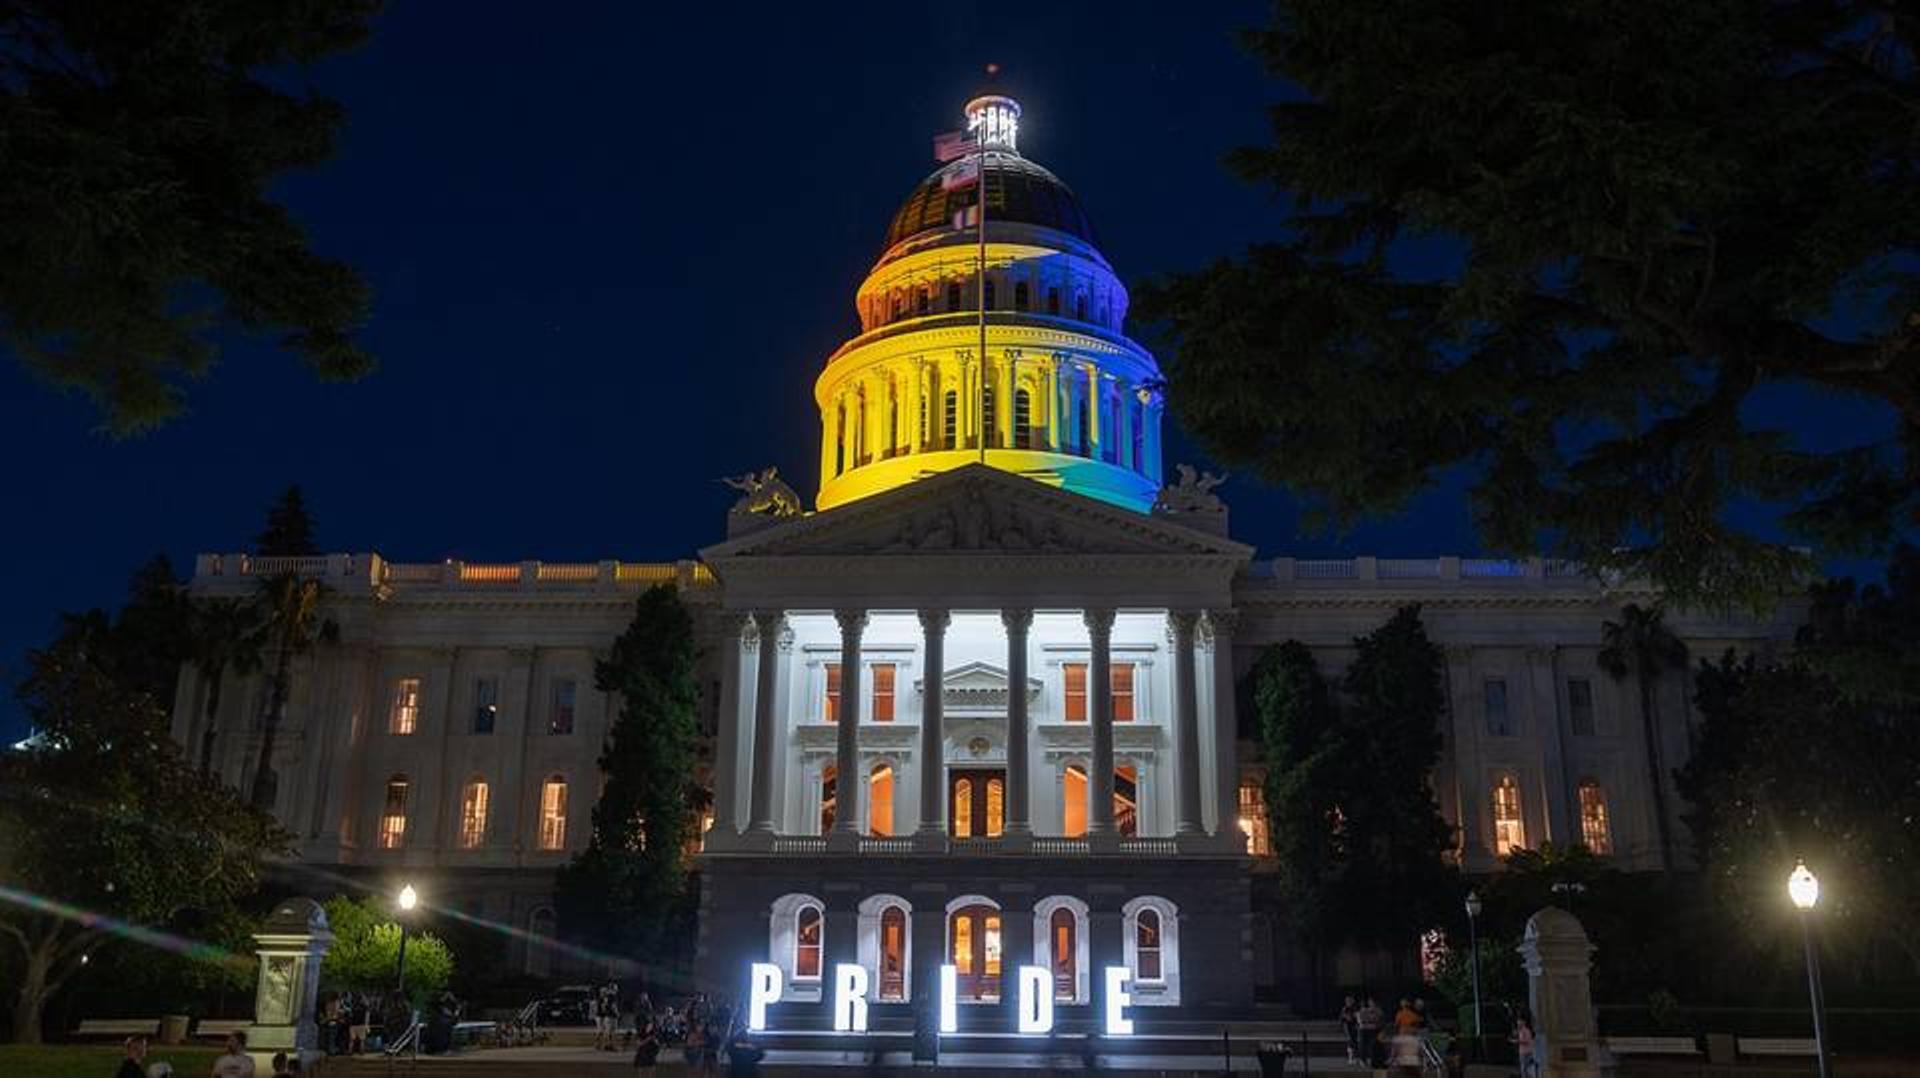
{"type": "Point", "coordinates": [627, 888]}
{"type": "Point", "coordinates": [225, 638]}
{"type": "Point", "coordinates": [365, 955]}
{"type": "Point", "coordinates": [153, 630]}
{"type": "Point", "coordinates": [1640, 645]}
{"type": "Point", "coordinates": [1647, 215]}
{"type": "Point", "coordinates": [1790, 765]}
{"type": "Point", "coordinates": [1867, 639]}
{"type": "Point", "coordinates": [1359, 838]}
{"type": "Point", "coordinates": [102, 816]}
{"type": "Point", "coordinates": [293, 626]}
{"type": "Point", "coordinates": [289, 531]}
{"type": "Point", "coordinates": [141, 142]}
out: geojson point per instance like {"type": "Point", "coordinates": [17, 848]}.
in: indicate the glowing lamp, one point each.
{"type": "Point", "coordinates": [409, 898]}
{"type": "Point", "coordinates": [1803, 887]}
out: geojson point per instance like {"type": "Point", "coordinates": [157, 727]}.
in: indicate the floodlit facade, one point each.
{"type": "Point", "coordinates": [986, 707]}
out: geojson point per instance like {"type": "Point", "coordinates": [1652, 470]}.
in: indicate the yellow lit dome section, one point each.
{"type": "Point", "coordinates": [1058, 393]}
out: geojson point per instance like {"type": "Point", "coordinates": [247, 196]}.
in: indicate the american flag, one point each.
{"type": "Point", "coordinates": [953, 145]}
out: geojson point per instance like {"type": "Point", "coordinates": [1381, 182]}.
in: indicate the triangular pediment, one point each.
{"type": "Point", "coordinates": [976, 510]}
{"type": "Point", "coordinates": [977, 688]}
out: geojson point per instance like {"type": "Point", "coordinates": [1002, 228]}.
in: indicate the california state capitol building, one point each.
{"type": "Point", "coordinates": [984, 706]}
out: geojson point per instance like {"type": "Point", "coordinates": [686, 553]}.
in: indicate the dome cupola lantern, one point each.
{"type": "Point", "coordinates": [1025, 367]}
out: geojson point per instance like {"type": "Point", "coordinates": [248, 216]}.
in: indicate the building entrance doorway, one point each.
{"type": "Point", "coordinates": [976, 802]}
{"type": "Point", "coordinates": [973, 946]}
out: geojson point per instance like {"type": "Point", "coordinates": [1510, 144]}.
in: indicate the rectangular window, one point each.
{"type": "Point", "coordinates": [1053, 301]}
{"type": "Point", "coordinates": [393, 817]}
{"type": "Point", "coordinates": [486, 704]}
{"type": "Point", "coordinates": [883, 674]}
{"type": "Point", "coordinates": [404, 715]}
{"type": "Point", "coordinates": [1580, 706]}
{"type": "Point", "coordinates": [553, 814]}
{"type": "Point", "coordinates": [1076, 700]}
{"type": "Point", "coordinates": [1494, 695]}
{"type": "Point", "coordinates": [561, 721]}
{"type": "Point", "coordinates": [830, 709]}
{"type": "Point", "coordinates": [923, 302]}
{"type": "Point", "coordinates": [1020, 295]}
{"type": "Point", "coordinates": [1121, 677]}
{"type": "Point", "coordinates": [1253, 818]}
{"type": "Point", "coordinates": [1594, 830]}
{"type": "Point", "coordinates": [473, 815]}
{"type": "Point", "coordinates": [953, 295]}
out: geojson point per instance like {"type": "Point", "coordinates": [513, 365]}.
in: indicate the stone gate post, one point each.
{"type": "Point", "coordinates": [1558, 959]}
{"type": "Point", "coordinates": [291, 945]}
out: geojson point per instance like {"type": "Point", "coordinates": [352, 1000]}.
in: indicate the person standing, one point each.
{"type": "Point", "coordinates": [1523, 1045]}
{"type": "Point", "coordinates": [646, 1042]}
{"type": "Point", "coordinates": [1369, 1022]}
{"type": "Point", "coordinates": [134, 1065]}
{"type": "Point", "coordinates": [233, 1061]}
{"type": "Point", "coordinates": [1350, 1025]}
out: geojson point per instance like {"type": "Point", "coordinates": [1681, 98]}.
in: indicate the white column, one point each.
{"type": "Point", "coordinates": [1100, 696]}
{"type": "Point", "coordinates": [766, 692]}
{"type": "Point", "coordinates": [1186, 718]}
{"type": "Point", "coordinates": [1226, 732]}
{"type": "Point", "coordinates": [932, 763]}
{"type": "Point", "coordinates": [850, 782]}
{"type": "Point", "coordinates": [728, 733]}
{"type": "Point", "coordinates": [1096, 435]}
{"type": "Point", "coordinates": [1053, 402]}
{"type": "Point", "coordinates": [1019, 824]}
{"type": "Point", "coordinates": [1123, 409]}
{"type": "Point", "coordinates": [1555, 788]}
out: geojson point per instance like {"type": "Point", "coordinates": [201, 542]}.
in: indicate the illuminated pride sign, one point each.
{"type": "Point", "coordinates": [766, 984]}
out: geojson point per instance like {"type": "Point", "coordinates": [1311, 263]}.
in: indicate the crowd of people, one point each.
{"type": "Point", "coordinates": [1402, 1044]}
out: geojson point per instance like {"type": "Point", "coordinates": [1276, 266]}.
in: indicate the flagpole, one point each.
{"type": "Point", "coordinates": [986, 371]}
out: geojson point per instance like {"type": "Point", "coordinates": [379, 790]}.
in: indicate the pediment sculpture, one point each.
{"type": "Point", "coordinates": [763, 493]}
{"type": "Point", "coordinates": [1191, 492]}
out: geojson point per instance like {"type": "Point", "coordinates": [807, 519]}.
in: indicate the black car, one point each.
{"type": "Point", "coordinates": [568, 1006]}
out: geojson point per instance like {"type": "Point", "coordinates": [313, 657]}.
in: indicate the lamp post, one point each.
{"type": "Point", "coordinates": [1804, 888]}
{"type": "Point", "coordinates": [409, 898]}
{"type": "Point", "coordinates": [1473, 939]}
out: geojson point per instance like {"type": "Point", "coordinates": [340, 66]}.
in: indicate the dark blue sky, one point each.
{"type": "Point", "coordinates": [611, 246]}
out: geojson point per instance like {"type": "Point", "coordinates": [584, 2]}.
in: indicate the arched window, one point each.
{"type": "Point", "coordinates": [829, 796]}
{"type": "Point", "coordinates": [1594, 830]}
{"type": "Point", "coordinates": [1061, 936]}
{"type": "Point", "coordinates": [393, 814]}
{"type": "Point", "coordinates": [1509, 829]}
{"type": "Point", "coordinates": [473, 814]}
{"type": "Point", "coordinates": [949, 419]}
{"type": "Point", "coordinates": [893, 955]}
{"type": "Point", "coordinates": [963, 807]}
{"type": "Point", "coordinates": [1073, 802]}
{"type": "Point", "coordinates": [1022, 418]}
{"type": "Point", "coordinates": [1152, 949]}
{"type": "Point", "coordinates": [1020, 295]}
{"type": "Point", "coordinates": [1146, 946]}
{"type": "Point", "coordinates": [973, 947]}
{"type": "Point", "coordinates": [990, 410]}
{"type": "Point", "coordinates": [953, 294]}
{"type": "Point", "coordinates": [553, 813]}
{"type": "Point", "coordinates": [809, 931]}
{"type": "Point", "coordinates": [923, 301]}
{"type": "Point", "coordinates": [894, 306]}
{"type": "Point", "coordinates": [1060, 945]}
{"type": "Point", "coordinates": [539, 961]}
{"type": "Point", "coordinates": [840, 439]}
{"type": "Point", "coordinates": [880, 801]}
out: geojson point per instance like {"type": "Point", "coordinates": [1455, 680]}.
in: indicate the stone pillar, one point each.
{"type": "Point", "coordinates": [515, 787]}
{"type": "Point", "coordinates": [291, 945]}
{"type": "Point", "coordinates": [1558, 959]}
{"type": "Point", "coordinates": [1053, 403]}
{"type": "Point", "coordinates": [1475, 854]}
{"type": "Point", "coordinates": [932, 833]}
{"type": "Point", "coordinates": [1150, 415]}
{"type": "Point", "coordinates": [850, 783]}
{"type": "Point", "coordinates": [727, 732]}
{"type": "Point", "coordinates": [1544, 708]}
{"type": "Point", "coordinates": [1226, 734]}
{"type": "Point", "coordinates": [1016, 950]}
{"type": "Point", "coordinates": [1123, 407]}
{"type": "Point", "coordinates": [766, 694]}
{"type": "Point", "coordinates": [1096, 432]}
{"type": "Point", "coordinates": [438, 789]}
{"type": "Point", "coordinates": [1100, 701]}
{"type": "Point", "coordinates": [1019, 827]}
{"type": "Point", "coordinates": [1186, 719]}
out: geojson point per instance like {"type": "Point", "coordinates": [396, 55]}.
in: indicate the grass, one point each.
{"type": "Point", "coordinates": [95, 1060]}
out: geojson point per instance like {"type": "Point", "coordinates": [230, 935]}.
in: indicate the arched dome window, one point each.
{"type": "Point", "coordinates": [1060, 945]}
{"type": "Point", "coordinates": [1152, 949]}
{"type": "Point", "coordinates": [1022, 418]}
{"type": "Point", "coordinates": [950, 420]}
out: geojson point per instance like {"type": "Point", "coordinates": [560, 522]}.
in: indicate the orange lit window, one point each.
{"type": "Point", "coordinates": [1073, 798]}
{"type": "Point", "coordinates": [1076, 679]}
{"type": "Point", "coordinates": [553, 814]}
{"type": "Point", "coordinates": [393, 818]}
{"type": "Point", "coordinates": [831, 712]}
{"type": "Point", "coordinates": [1061, 929]}
{"type": "Point", "coordinates": [1593, 818]}
{"type": "Point", "coordinates": [1146, 952]}
{"type": "Point", "coordinates": [806, 944]}
{"type": "Point", "coordinates": [404, 717]}
{"type": "Point", "coordinates": [883, 692]}
{"type": "Point", "coordinates": [473, 815]}
{"type": "Point", "coordinates": [880, 801]}
{"type": "Point", "coordinates": [1509, 829]}
{"type": "Point", "coordinates": [1122, 679]}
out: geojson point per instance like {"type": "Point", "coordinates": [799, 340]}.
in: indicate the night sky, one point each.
{"type": "Point", "coordinates": [612, 245]}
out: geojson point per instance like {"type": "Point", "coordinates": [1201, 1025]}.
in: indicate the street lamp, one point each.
{"type": "Point", "coordinates": [1804, 888]}
{"type": "Point", "coordinates": [1473, 938]}
{"type": "Point", "coordinates": [409, 898]}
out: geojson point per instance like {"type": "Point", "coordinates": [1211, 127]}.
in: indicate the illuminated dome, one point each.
{"type": "Point", "coordinates": [1062, 396]}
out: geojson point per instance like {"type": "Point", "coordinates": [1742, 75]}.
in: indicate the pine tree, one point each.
{"type": "Point", "coordinates": [626, 890]}
{"type": "Point", "coordinates": [289, 531]}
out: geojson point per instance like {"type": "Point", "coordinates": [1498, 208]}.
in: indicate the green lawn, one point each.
{"type": "Point", "coordinates": [95, 1060]}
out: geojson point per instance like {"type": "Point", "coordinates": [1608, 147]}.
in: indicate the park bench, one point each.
{"type": "Point", "coordinates": [218, 1028]}
{"type": "Point", "coordinates": [1653, 1046]}
{"type": "Point", "coordinates": [117, 1027]}
{"type": "Point", "coordinates": [1776, 1046]}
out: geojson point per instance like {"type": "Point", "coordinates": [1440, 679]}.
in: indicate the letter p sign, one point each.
{"type": "Point", "coordinates": [763, 987]}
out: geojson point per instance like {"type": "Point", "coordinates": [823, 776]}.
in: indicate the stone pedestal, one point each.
{"type": "Point", "coordinates": [1558, 959]}
{"type": "Point", "coordinates": [291, 946]}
